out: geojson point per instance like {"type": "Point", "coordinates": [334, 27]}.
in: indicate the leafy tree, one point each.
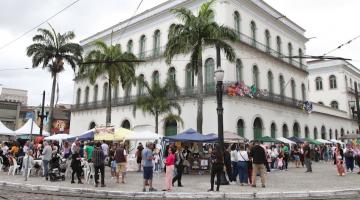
{"type": "Point", "coordinates": [193, 35]}
{"type": "Point", "coordinates": [51, 50]}
{"type": "Point", "coordinates": [159, 100]}
{"type": "Point", "coordinates": [113, 62]}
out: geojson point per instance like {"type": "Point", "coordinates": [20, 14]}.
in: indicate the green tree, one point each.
{"type": "Point", "coordinates": [110, 60]}
{"type": "Point", "coordinates": [160, 100]}
{"type": "Point", "coordinates": [51, 50]}
{"type": "Point", "coordinates": [192, 36]}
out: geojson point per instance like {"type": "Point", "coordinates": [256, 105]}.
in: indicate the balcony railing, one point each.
{"type": "Point", "coordinates": [191, 92]}
{"type": "Point", "coordinates": [266, 49]}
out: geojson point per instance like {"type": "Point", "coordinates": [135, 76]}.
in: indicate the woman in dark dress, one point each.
{"type": "Point", "coordinates": [76, 165]}
{"type": "Point", "coordinates": [217, 166]}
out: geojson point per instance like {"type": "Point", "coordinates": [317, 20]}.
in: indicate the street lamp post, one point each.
{"type": "Point", "coordinates": [42, 115]}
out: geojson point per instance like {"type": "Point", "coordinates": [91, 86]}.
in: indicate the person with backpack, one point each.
{"type": "Point", "coordinates": [349, 159]}
{"type": "Point", "coordinates": [179, 166]}
{"type": "Point", "coordinates": [121, 161]}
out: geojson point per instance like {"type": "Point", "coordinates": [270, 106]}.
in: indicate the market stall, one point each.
{"type": "Point", "coordinates": [5, 133]}
{"type": "Point", "coordinates": [312, 141]}
{"type": "Point", "coordinates": [268, 139]}
{"type": "Point", "coordinates": [296, 139]}
{"type": "Point", "coordinates": [110, 134]}
{"type": "Point", "coordinates": [88, 135]}
{"type": "Point", "coordinates": [323, 141]}
{"type": "Point", "coordinates": [286, 141]}
{"type": "Point", "coordinates": [24, 131]}
{"type": "Point", "coordinates": [58, 137]}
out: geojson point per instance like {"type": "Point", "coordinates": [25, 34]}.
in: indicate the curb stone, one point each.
{"type": "Point", "coordinates": [92, 193]}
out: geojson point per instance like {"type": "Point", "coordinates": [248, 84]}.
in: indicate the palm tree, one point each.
{"type": "Point", "coordinates": [109, 60]}
{"type": "Point", "coordinates": [50, 50]}
{"type": "Point", "coordinates": [158, 101]}
{"type": "Point", "coordinates": [192, 36]}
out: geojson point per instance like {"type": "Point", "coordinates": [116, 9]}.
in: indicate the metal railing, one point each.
{"type": "Point", "coordinates": [190, 92]}
{"type": "Point", "coordinates": [266, 49]}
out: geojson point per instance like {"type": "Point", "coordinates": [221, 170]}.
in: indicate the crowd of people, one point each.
{"type": "Point", "coordinates": [240, 161]}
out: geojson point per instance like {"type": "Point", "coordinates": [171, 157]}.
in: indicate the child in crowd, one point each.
{"type": "Point", "coordinates": [280, 161]}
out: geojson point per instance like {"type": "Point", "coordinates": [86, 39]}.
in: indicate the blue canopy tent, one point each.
{"type": "Point", "coordinates": [88, 135]}
{"type": "Point", "coordinates": [190, 135]}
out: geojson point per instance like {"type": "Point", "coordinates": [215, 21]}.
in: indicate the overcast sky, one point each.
{"type": "Point", "coordinates": [331, 22]}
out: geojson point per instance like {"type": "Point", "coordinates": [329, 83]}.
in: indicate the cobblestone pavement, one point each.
{"type": "Point", "coordinates": [323, 178]}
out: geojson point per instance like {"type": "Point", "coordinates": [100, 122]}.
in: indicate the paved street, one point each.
{"type": "Point", "coordinates": [295, 180]}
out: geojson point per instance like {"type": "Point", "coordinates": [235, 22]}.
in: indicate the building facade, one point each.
{"type": "Point", "coordinates": [268, 42]}
{"type": "Point", "coordinates": [13, 95]}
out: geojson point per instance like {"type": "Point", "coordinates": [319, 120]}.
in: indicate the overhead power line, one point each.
{"type": "Point", "coordinates": [346, 43]}
{"type": "Point", "coordinates": [37, 26]}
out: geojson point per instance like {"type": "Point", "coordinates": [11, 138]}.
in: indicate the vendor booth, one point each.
{"type": "Point", "coordinates": [58, 137]}
{"type": "Point", "coordinates": [88, 135]}
{"type": "Point", "coordinates": [110, 134]}
{"type": "Point", "coordinates": [5, 133]}
{"type": "Point", "coordinates": [296, 139]}
{"type": "Point", "coordinates": [286, 141]}
{"type": "Point", "coordinates": [268, 139]}
{"type": "Point", "coordinates": [323, 141]}
{"type": "Point", "coordinates": [24, 131]}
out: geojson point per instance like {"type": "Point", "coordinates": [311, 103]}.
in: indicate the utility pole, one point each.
{"type": "Point", "coordinates": [41, 115]}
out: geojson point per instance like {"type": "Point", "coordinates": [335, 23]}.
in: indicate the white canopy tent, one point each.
{"type": "Point", "coordinates": [5, 130]}
{"type": "Point", "coordinates": [58, 137]}
{"type": "Point", "coordinates": [26, 129]}
{"type": "Point", "coordinates": [143, 135]}
{"type": "Point", "coordinates": [336, 141]}
{"type": "Point", "coordinates": [323, 141]}
{"type": "Point", "coordinates": [284, 140]}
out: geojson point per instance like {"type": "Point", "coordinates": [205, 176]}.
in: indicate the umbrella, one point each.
{"type": "Point", "coordinates": [311, 141]}
{"type": "Point", "coordinates": [296, 139]}
{"type": "Point", "coordinates": [284, 140]}
{"type": "Point", "coordinates": [267, 139]}
{"type": "Point", "coordinates": [190, 135]}
{"type": "Point", "coordinates": [88, 135]}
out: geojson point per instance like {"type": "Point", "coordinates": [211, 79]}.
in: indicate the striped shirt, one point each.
{"type": "Point", "coordinates": [98, 157]}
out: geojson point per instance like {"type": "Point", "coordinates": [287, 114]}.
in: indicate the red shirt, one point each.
{"type": "Point", "coordinates": [170, 160]}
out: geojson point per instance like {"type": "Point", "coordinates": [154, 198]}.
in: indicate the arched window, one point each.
{"type": "Point", "coordinates": [87, 91]}
{"type": "Point", "coordinates": [282, 86]}
{"type": "Point", "coordinates": [172, 73]}
{"type": "Point", "coordinates": [336, 134]}
{"type": "Point", "coordinates": [330, 134]}
{"type": "Point", "coordinates": [303, 92]}
{"type": "Point", "coordinates": [332, 81]}
{"type": "Point", "coordinates": [293, 89]}
{"type": "Point", "coordinates": [346, 81]}
{"type": "Point", "coordinates": [240, 127]}
{"type": "Point", "coordinates": [290, 54]}
{"type": "Point", "coordinates": [285, 131]}
{"type": "Point", "coordinates": [318, 81]}
{"type": "Point", "coordinates": [142, 44]}
{"type": "Point", "coordinates": [334, 104]}
{"type": "Point", "coordinates": [78, 97]}
{"type": "Point", "coordinates": [253, 32]}
{"type": "Point", "coordinates": [256, 76]}
{"type": "Point", "coordinates": [321, 103]}
{"type": "Point", "coordinates": [125, 124]}
{"type": "Point", "coordinates": [156, 77]}
{"type": "Point", "coordinates": [96, 89]}
{"type": "Point", "coordinates": [257, 126]}
{"type": "Point", "coordinates": [130, 46]}
{"type": "Point", "coordinates": [267, 40]}
{"type": "Point", "coordinates": [273, 130]}
{"type": "Point", "coordinates": [301, 58]}
{"type": "Point", "coordinates": [116, 90]}
{"type": "Point", "coordinates": [170, 127]}
{"type": "Point", "coordinates": [189, 79]}
{"type": "Point", "coordinates": [209, 75]}
{"type": "Point", "coordinates": [105, 91]}
{"type": "Point", "coordinates": [239, 69]}
{"type": "Point", "coordinates": [270, 82]}
{"type": "Point", "coordinates": [141, 86]}
{"type": "Point", "coordinates": [296, 129]}
{"type": "Point", "coordinates": [278, 46]}
{"type": "Point", "coordinates": [237, 22]}
{"type": "Point", "coordinates": [315, 133]}
{"type": "Point", "coordinates": [156, 43]}
{"type": "Point", "coordinates": [92, 125]}
{"type": "Point", "coordinates": [323, 133]}
{"type": "Point", "coordinates": [307, 132]}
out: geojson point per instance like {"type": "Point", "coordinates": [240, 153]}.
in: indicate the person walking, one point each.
{"type": "Point", "coordinates": [296, 155]}
{"type": "Point", "coordinates": [147, 159]}
{"type": "Point", "coordinates": [257, 153]}
{"type": "Point", "coordinates": [138, 155]}
{"type": "Point", "coordinates": [121, 161]}
{"type": "Point", "coordinates": [349, 159]}
{"type": "Point", "coordinates": [76, 165]}
{"type": "Point", "coordinates": [285, 150]}
{"type": "Point", "coordinates": [307, 160]}
{"type": "Point", "coordinates": [234, 160]}
{"type": "Point", "coordinates": [89, 151]}
{"type": "Point", "coordinates": [217, 167]}
{"type": "Point", "coordinates": [98, 158]}
{"type": "Point", "coordinates": [47, 153]}
{"type": "Point", "coordinates": [169, 163]}
{"type": "Point", "coordinates": [242, 166]}
{"type": "Point", "coordinates": [227, 163]}
{"type": "Point", "coordinates": [179, 165]}
{"type": "Point", "coordinates": [338, 160]}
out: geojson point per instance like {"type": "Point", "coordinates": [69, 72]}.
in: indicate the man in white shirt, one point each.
{"type": "Point", "coordinates": [5, 148]}
{"type": "Point", "coordinates": [105, 148]}
{"type": "Point", "coordinates": [242, 165]}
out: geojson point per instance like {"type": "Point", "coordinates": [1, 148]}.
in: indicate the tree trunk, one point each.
{"type": "Point", "coordinates": [157, 122]}
{"type": "Point", "coordinates": [108, 106]}
{"type": "Point", "coordinates": [200, 95]}
{"type": "Point", "coordinates": [51, 110]}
